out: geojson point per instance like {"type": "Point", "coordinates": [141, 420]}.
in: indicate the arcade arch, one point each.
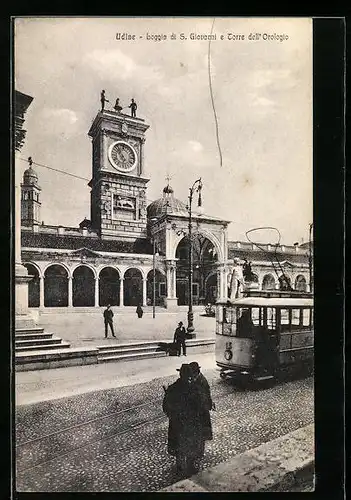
{"type": "Point", "coordinates": [33, 286]}
{"type": "Point", "coordinates": [133, 287]}
{"type": "Point", "coordinates": [83, 287]}
{"type": "Point", "coordinates": [300, 283]}
{"type": "Point", "coordinates": [268, 282]}
{"type": "Point", "coordinates": [56, 286]}
{"type": "Point", "coordinates": [109, 287]}
{"type": "Point", "coordinates": [160, 287]}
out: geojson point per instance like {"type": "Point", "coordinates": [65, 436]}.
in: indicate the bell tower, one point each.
{"type": "Point", "coordinates": [30, 198]}
{"type": "Point", "coordinates": [118, 187]}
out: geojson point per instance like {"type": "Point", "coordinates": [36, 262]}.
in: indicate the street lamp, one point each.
{"type": "Point", "coordinates": [155, 219]}
{"type": "Point", "coordinates": [197, 186]}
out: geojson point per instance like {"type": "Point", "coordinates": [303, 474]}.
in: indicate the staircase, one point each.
{"type": "Point", "coordinates": [31, 339]}
{"type": "Point", "coordinates": [148, 349]}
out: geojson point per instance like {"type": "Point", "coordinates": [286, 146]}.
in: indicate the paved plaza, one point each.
{"type": "Point", "coordinates": [86, 327]}
{"type": "Point", "coordinates": [114, 439]}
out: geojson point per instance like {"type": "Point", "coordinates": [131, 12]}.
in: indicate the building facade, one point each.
{"type": "Point", "coordinates": [113, 257]}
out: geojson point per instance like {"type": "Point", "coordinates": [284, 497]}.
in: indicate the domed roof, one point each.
{"type": "Point", "coordinates": [30, 176]}
{"type": "Point", "coordinates": [167, 204]}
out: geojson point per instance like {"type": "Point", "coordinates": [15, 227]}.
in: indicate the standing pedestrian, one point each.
{"type": "Point", "coordinates": [183, 405]}
{"type": "Point", "coordinates": [200, 382]}
{"type": "Point", "coordinates": [139, 311]}
{"type": "Point", "coordinates": [108, 320]}
{"type": "Point", "coordinates": [179, 338]}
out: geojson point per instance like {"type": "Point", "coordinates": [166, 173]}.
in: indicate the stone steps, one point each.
{"type": "Point", "coordinates": [32, 336]}
{"type": "Point", "coordinates": [57, 355]}
{"type": "Point", "coordinates": [131, 356]}
{"type": "Point", "coordinates": [146, 349]}
{"type": "Point", "coordinates": [42, 345]}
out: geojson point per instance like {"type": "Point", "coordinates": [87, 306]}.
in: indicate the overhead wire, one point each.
{"type": "Point", "coordinates": [211, 94]}
{"type": "Point", "coordinates": [276, 245]}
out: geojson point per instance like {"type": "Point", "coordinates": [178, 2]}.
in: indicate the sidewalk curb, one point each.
{"type": "Point", "coordinates": [275, 466]}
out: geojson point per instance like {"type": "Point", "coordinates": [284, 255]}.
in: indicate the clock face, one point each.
{"type": "Point", "coordinates": [122, 156]}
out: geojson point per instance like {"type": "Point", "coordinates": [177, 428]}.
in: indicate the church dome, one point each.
{"type": "Point", "coordinates": [167, 204]}
{"type": "Point", "coordinates": [30, 176]}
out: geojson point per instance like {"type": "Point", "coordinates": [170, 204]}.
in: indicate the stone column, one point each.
{"type": "Point", "coordinates": [96, 304]}
{"type": "Point", "coordinates": [174, 281]}
{"type": "Point", "coordinates": [144, 291]}
{"type": "Point", "coordinates": [41, 291]}
{"type": "Point", "coordinates": [171, 300]}
{"type": "Point", "coordinates": [70, 292]}
{"type": "Point", "coordinates": [218, 284]}
{"type": "Point", "coordinates": [121, 292]}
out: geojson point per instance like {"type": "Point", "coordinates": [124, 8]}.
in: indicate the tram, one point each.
{"type": "Point", "coordinates": [261, 333]}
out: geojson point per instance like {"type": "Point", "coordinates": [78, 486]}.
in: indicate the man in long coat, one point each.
{"type": "Point", "coordinates": [187, 433]}
{"type": "Point", "coordinates": [200, 382]}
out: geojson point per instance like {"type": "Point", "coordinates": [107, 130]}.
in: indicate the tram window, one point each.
{"type": "Point", "coordinates": [255, 316]}
{"type": "Point", "coordinates": [295, 317]}
{"type": "Point", "coordinates": [306, 317]}
{"type": "Point", "coordinates": [271, 318]}
{"type": "Point", "coordinates": [284, 319]}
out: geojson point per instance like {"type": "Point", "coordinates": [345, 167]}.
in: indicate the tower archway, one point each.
{"type": "Point", "coordinates": [109, 287]}
{"type": "Point", "coordinates": [205, 260]}
{"type": "Point", "coordinates": [56, 286]}
{"type": "Point", "coordinates": [83, 287]}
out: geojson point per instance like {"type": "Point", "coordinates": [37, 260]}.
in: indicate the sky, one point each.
{"type": "Point", "coordinates": [262, 91]}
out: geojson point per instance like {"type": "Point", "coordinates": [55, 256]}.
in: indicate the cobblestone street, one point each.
{"type": "Point", "coordinates": [115, 439]}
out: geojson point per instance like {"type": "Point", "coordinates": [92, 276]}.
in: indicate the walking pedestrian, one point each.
{"type": "Point", "coordinates": [139, 311]}
{"type": "Point", "coordinates": [183, 405]}
{"type": "Point", "coordinates": [179, 339]}
{"type": "Point", "coordinates": [108, 320]}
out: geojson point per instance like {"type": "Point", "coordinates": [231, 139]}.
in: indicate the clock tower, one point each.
{"type": "Point", "coordinates": [118, 187]}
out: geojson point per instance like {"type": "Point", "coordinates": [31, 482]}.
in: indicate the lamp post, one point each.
{"type": "Point", "coordinates": [197, 186]}
{"type": "Point", "coordinates": [153, 220]}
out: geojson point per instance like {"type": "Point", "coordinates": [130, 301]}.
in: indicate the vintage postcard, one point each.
{"type": "Point", "coordinates": [164, 209]}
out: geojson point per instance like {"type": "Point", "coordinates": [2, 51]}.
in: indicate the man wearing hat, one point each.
{"type": "Point", "coordinates": [184, 407]}
{"type": "Point", "coordinates": [179, 338]}
{"type": "Point", "coordinates": [237, 280]}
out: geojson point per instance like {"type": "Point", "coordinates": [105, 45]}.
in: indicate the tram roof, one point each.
{"type": "Point", "coordinates": [273, 302]}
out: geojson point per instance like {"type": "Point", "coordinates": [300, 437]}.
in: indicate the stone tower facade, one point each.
{"type": "Point", "coordinates": [118, 187]}
{"type": "Point", "coordinates": [30, 199]}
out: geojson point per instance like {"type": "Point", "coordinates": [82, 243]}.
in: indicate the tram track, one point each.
{"type": "Point", "coordinates": [40, 450]}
